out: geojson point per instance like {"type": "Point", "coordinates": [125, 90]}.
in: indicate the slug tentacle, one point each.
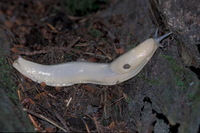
{"type": "Point", "coordinates": [158, 39]}
{"type": "Point", "coordinates": [156, 33]}
{"type": "Point", "coordinates": [123, 68]}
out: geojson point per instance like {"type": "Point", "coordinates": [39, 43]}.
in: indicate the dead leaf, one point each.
{"type": "Point", "coordinates": [43, 84]}
{"type": "Point", "coordinates": [89, 88]}
{"type": "Point", "coordinates": [92, 59]}
{"type": "Point", "coordinates": [119, 50]}
{"type": "Point", "coordinates": [35, 123]}
{"type": "Point", "coordinates": [27, 100]}
{"type": "Point", "coordinates": [125, 96]}
{"type": "Point", "coordinates": [18, 46]}
{"type": "Point", "coordinates": [43, 94]}
{"type": "Point", "coordinates": [14, 50]}
{"type": "Point", "coordinates": [31, 101]}
{"type": "Point", "coordinates": [27, 84]}
{"type": "Point", "coordinates": [112, 125]}
{"type": "Point", "coordinates": [18, 21]}
{"type": "Point", "coordinates": [28, 81]}
{"type": "Point", "coordinates": [23, 29]}
{"type": "Point", "coordinates": [8, 24]}
{"type": "Point", "coordinates": [50, 129]}
{"type": "Point", "coordinates": [99, 53]}
{"type": "Point", "coordinates": [9, 12]}
{"type": "Point", "coordinates": [58, 88]}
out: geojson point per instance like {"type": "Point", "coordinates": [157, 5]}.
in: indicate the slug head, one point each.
{"type": "Point", "coordinates": [136, 58]}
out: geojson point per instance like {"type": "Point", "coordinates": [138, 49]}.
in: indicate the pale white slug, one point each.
{"type": "Point", "coordinates": [123, 68]}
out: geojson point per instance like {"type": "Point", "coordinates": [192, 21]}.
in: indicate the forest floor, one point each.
{"type": "Point", "coordinates": [45, 33]}
{"type": "Point", "coordinates": [53, 32]}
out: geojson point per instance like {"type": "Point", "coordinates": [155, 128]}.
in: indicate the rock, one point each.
{"type": "Point", "coordinates": [12, 118]}
{"type": "Point", "coordinates": [170, 86]}
{"type": "Point", "coordinates": [182, 17]}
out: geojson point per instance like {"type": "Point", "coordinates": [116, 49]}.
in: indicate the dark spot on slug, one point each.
{"type": "Point", "coordinates": [126, 66]}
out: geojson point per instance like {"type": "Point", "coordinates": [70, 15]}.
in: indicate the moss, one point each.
{"type": "Point", "coordinates": [175, 66]}
{"type": "Point", "coordinates": [104, 122]}
{"type": "Point", "coordinates": [178, 70]}
{"type": "Point", "coordinates": [69, 57]}
{"type": "Point", "coordinates": [168, 57]}
{"type": "Point", "coordinates": [193, 97]}
{"type": "Point", "coordinates": [194, 94]}
{"type": "Point", "coordinates": [6, 80]}
{"type": "Point", "coordinates": [84, 7]}
{"type": "Point", "coordinates": [180, 83]}
{"type": "Point", "coordinates": [184, 80]}
{"type": "Point", "coordinates": [148, 80]}
{"type": "Point", "coordinates": [95, 33]}
{"type": "Point", "coordinates": [128, 100]}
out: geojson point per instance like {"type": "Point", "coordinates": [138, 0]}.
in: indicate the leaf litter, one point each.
{"type": "Point", "coordinates": [46, 34]}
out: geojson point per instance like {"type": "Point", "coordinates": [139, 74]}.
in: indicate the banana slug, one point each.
{"type": "Point", "coordinates": [123, 68]}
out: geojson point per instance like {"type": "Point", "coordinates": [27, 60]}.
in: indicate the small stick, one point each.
{"type": "Point", "coordinates": [38, 128]}
{"type": "Point", "coordinates": [44, 118]}
{"type": "Point", "coordinates": [70, 99]}
{"type": "Point", "coordinates": [110, 58]}
{"type": "Point", "coordinates": [53, 28]}
{"type": "Point", "coordinates": [86, 126]}
{"type": "Point", "coordinates": [19, 94]}
{"type": "Point", "coordinates": [61, 119]}
{"type": "Point", "coordinates": [116, 101]}
{"type": "Point", "coordinates": [72, 44]}
{"type": "Point", "coordinates": [96, 55]}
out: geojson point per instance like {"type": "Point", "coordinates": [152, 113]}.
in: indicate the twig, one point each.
{"type": "Point", "coordinates": [38, 128]}
{"type": "Point", "coordinates": [116, 101]}
{"type": "Point", "coordinates": [105, 106]}
{"type": "Point", "coordinates": [68, 102]}
{"type": "Point", "coordinates": [72, 44]}
{"type": "Point", "coordinates": [44, 118]}
{"type": "Point", "coordinates": [98, 125]}
{"type": "Point", "coordinates": [61, 119]}
{"type": "Point", "coordinates": [110, 58]}
{"type": "Point", "coordinates": [19, 94]}
{"type": "Point", "coordinates": [81, 44]}
{"type": "Point", "coordinates": [86, 126]}
{"type": "Point", "coordinates": [53, 28]}
{"type": "Point", "coordinates": [33, 53]}
{"type": "Point", "coordinates": [96, 55]}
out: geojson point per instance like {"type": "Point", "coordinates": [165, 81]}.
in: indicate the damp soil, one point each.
{"type": "Point", "coordinates": [159, 99]}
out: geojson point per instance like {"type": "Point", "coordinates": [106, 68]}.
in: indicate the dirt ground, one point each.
{"type": "Point", "coordinates": [49, 32]}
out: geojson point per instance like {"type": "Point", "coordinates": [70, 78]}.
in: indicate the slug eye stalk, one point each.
{"type": "Point", "coordinates": [159, 39]}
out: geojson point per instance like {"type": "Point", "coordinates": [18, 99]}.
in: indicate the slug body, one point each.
{"type": "Point", "coordinates": [123, 68]}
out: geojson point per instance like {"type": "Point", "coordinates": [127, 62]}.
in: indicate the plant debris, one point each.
{"type": "Point", "coordinates": [46, 34]}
